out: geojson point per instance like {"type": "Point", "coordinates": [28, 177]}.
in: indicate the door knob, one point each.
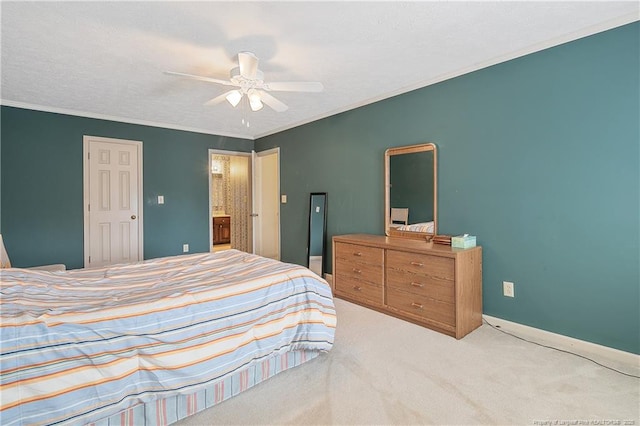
{"type": "Point", "coordinates": [133, 216]}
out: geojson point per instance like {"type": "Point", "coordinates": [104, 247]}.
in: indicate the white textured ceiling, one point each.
{"type": "Point", "coordinates": [106, 59]}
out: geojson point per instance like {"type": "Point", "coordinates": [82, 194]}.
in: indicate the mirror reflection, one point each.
{"type": "Point", "coordinates": [316, 249]}
{"type": "Point", "coordinates": [411, 191]}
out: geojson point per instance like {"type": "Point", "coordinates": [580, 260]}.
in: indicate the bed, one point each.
{"type": "Point", "coordinates": [415, 227]}
{"type": "Point", "coordinates": [155, 341]}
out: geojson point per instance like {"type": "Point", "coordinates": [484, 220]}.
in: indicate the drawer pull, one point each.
{"type": "Point", "coordinates": [357, 253]}
{"type": "Point", "coordinates": [357, 288]}
{"type": "Point", "coordinates": [417, 284]}
{"type": "Point", "coordinates": [417, 264]}
{"type": "Point", "coordinates": [416, 305]}
{"type": "Point", "coordinates": [357, 271]}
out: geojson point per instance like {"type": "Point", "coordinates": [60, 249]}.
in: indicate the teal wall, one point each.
{"type": "Point", "coordinates": [41, 195]}
{"type": "Point", "coordinates": [537, 156]}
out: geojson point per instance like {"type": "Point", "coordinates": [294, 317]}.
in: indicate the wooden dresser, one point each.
{"type": "Point", "coordinates": [432, 285]}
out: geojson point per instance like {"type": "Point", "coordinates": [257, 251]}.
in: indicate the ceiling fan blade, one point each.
{"type": "Point", "coordinates": [219, 99]}
{"type": "Point", "coordinates": [201, 78]}
{"type": "Point", "coordinates": [248, 65]}
{"type": "Point", "coordinates": [293, 86]}
{"type": "Point", "coordinates": [274, 103]}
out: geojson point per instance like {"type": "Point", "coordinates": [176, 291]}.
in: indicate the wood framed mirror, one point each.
{"type": "Point", "coordinates": [411, 191]}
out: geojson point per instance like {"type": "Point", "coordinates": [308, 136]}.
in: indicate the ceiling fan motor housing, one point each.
{"type": "Point", "coordinates": [247, 83]}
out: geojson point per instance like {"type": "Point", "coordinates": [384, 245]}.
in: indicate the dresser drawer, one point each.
{"type": "Point", "coordinates": [421, 306]}
{"type": "Point", "coordinates": [361, 254]}
{"type": "Point", "coordinates": [436, 267]}
{"type": "Point", "coordinates": [421, 285]}
{"type": "Point", "coordinates": [355, 288]}
{"type": "Point", "coordinates": [369, 272]}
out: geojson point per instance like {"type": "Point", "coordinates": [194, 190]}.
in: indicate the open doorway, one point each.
{"type": "Point", "coordinates": [244, 201]}
{"type": "Point", "coordinates": [230, 196]}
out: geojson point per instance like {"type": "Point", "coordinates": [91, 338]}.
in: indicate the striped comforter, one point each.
{"type": "Point", "coordinates": [80, 345]}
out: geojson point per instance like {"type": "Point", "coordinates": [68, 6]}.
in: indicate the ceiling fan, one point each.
{"type": "Point", "coordinates": [249, 80]}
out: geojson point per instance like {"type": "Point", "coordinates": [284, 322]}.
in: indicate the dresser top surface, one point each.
{"type": "Point", "coordinates": [402, 244]}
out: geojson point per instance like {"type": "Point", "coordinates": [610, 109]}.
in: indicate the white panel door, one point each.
{"type": "Point", "coordinates": [267, 204]}
{"type": "Point", "coordinates": [113, 209]}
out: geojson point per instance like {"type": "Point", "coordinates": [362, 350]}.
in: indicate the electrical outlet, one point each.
{"type": "Point", "coordinates": [507, 289]}
{"type": "Point", "coordinates": [185, 248]}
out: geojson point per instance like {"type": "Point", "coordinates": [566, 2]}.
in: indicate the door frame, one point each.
{"type": "Point", "coordinates": [213, 152]}
{"type": "Point", "coordinates": [253, 156]}
{"type": "Point", "coordinates": [86, 141]}
{"type": "Point", "coordinates": [256, 176]}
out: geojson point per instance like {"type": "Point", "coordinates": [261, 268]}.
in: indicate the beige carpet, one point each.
{"type": "Point", "coordinates": [386, 371]}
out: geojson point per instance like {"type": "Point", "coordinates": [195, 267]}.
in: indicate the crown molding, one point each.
{"type": "Point", "coordinates": [566, 38]}
{"type": "Point", "coordinates": [97, 116]}
{"type": "Point", "coordinates": [537, 47]}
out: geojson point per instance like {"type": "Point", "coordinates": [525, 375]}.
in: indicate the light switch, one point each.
{"type": "Point", "coordinates": [160, 199]}
{"type": "Point", "coordinates": [317, 209]}
{"type": "Point", "coordinates": [283, 199]}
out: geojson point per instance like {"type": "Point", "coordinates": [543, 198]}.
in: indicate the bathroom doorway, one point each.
{"type": "Point", "coordinates": [244, 201]}
{"type": "Point", "coordinates": [230, 195]}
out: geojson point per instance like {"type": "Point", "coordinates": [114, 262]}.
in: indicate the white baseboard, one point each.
{"type": "Point", "coordinates": [566, 343]}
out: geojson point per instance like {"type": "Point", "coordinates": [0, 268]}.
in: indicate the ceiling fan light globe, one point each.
{"type": "Point", "coordinates": [254, 100]}
{"type": "Point", "coordinates": [256, 104]}
{"type": "Point", "coordinates": [234, 98]}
